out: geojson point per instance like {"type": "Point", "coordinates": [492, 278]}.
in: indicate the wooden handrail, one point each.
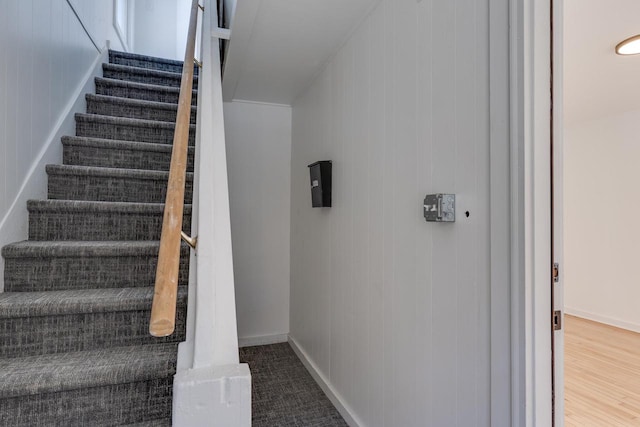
{"type": "Point", "coordinates": [163, 311]}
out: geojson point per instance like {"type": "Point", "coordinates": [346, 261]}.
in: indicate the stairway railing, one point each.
{"type": "Point", "coordinates": [163, 311]}
{"type": "Point", "coordinates": [211, 387]}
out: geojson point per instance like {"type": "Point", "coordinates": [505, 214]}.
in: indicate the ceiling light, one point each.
{"type": "Point", "coordinates": [630, 46]}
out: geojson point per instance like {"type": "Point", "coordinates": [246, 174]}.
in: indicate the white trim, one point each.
{"type": "Point", "coordinates": [262, 340]}
{"type": "Point", "coordinates": [271, 104]}
{"type": "Point", "coordinates": [221, 33]}
{"type": "Point", "coordinates": [501, 358]}
{"type": "Point", "coordinates": [611, 321]}
{"type": "Point", "coordinates": [558, 202]}
{"type": "Point", "coordinates": [533, 177]}
{"type": "Point", "coordinates": [519, 403]}
{"type": "Point", "coordinates": [338, 401]}
{"type": "Point", "coordinates": [120, 32]}
{"type": "Point", "coordinates": [131, 19]}
{"type": "Point", "coordinates": [14, 225]}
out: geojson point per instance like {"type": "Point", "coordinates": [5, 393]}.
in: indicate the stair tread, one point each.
{"type": "Point", "coordinates": [72, 248]}
{"type": "Point", "coordinates": [98, 171]}
{"type": "Point", "coordinates": [97, 206]}
{"type": "Point", "coordinates": [49, 303]}
{"type": "Point", "coordinates": [53, 373]}
{"type": "Point", "coordinates": [135, 102]}
{"type": "Point", "coordinates": [126, 121]}
{"type": "Point", "coordinates": [139, 85]}
{"type": "Point", "coordinates": [144, 71]}
{"type": "Point", "coordinates": [145, 57]}
{"type": "Point", "coordinates": [118, 144]}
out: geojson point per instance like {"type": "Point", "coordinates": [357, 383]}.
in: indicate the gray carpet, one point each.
{"type": "Point", "coordinates": [284, 393]}
{"type": "Point", "coordinates": [75, 348]}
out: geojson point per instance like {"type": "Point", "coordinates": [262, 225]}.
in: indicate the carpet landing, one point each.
{"type": "Point", "coordinates": [284, 393]}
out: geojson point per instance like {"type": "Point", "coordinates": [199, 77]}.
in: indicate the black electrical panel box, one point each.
{"type": "Point", "coordinates": [320, 175]}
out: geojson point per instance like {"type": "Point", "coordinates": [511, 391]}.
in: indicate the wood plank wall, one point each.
{"type": "Point", "coordinates": [392, 310]}
{"type": "Point", "coordinates": [46, 50]}
{"type": "Point", "coordinates": [44, 55]}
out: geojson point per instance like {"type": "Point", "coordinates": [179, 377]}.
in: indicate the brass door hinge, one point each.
{"type": "Point", "coordinates": [557, 320]}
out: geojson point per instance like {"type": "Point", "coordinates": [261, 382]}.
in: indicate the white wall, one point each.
{"type": "Point", "coordinates": [259, 167]}
{"type": "Point", "coordinates": [602, 234]}
{"type": "Point", "coordinates": [183, 13]}
{"type": "Point", "coordinates": [394, 312]}
{"type": "Point", "coordinates": [157, 25]}
{"type": "Point", "coordinates": [44, 55]}
{"type": "Point", "coordinates": [229, 11]}
{"type": "Point", "coordinates": [124, 22]}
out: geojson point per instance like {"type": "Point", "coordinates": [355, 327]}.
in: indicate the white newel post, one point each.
{"type": "Point", "coordinates": [211, 387]}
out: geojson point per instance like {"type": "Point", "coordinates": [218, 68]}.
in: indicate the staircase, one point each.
{"type": "Point", "coordinates": [75, 348]}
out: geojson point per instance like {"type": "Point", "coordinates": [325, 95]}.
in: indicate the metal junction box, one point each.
{"type": "Point", "coordinates": [440, 208]}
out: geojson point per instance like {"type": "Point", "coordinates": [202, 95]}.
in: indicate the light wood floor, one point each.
{"type": "Point", "coordinates": [602, 375]}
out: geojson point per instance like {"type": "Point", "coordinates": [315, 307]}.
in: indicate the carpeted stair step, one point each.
{"type": "Point", "coordinates": [34, 323]}
{"type": "Point", "coordinates": [122, 128]}
{"type": "Point", "coordinates": [143, 91]}
{"type": "Point", "coordinates": [144, 61]}
{"type": "Point", "coordinates": [111, 184]}
{"type": "Point", "coordinates": [82, 220]}
{"type": "Point", "coordinates": [33, 266]}
{"type": "Point", "coordinates": [109, 153]}
{"type": "Point", "coordinates": [144, 75]}
{"type": "Point", "coordinates": [75, 313]}
{"type": "Point", "coordinates": [91, 388]}
{"type": "Point", "coordinates": [165, 422]}
{"type": "Point", "coordinates": [134, 108]}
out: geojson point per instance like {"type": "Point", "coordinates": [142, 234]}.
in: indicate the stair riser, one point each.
{"type": "Point", "coordinates": [99, 406]}
{"type": "Point", "coordinates": [122, 132]}
{"type": "Point", "coordinates": [60, 273]}
{"type": "Point", "coordinates": [124, 159]}
{"type": "Point", "coordinates": [143, 94]}
{"type": "Point", "coordinates": [31, 336]}
{"type": "Point", "coordinates": [145, 63]}
{"type": "Point", "coordinates": [147, 78]}
{"type": "Point", "coordinates": [111, 189]}
{"type": "Point", "coordinates": [93, 226]}
{"type": "Point", "coordinates": [108, 108]}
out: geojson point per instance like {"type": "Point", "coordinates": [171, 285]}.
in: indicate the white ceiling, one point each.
{"type": "Point", "coordinates": [278, 46]}
{"type": "Point", "coordinates": [597, 82]}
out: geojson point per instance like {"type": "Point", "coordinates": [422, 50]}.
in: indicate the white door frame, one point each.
{"type": "Point", "coordinates": [531, 264]}
{"type": "Point", "coordinates": [558, 204]}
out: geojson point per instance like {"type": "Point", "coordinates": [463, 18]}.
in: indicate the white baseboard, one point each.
{"type": "Point", "coordinates": [337, 400]}
{"type": "Point", "coordinates": [630, 326]}
{"type": "Point", "coordinates": [262, 340]}
{"type": "Point", "coordinates": [14, 225]}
